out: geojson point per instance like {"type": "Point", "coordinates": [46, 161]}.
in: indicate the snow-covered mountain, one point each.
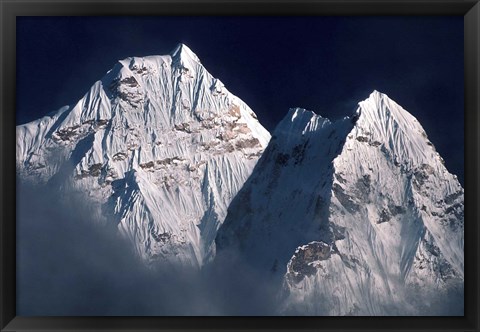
{"type": "Point", "coordinates": [357, 216]}
{"type": "Point", "coordinates": [160, 143]}
{"type": "Point", "coordinates": [353, 217]}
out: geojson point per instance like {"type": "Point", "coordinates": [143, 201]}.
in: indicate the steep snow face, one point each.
{"type": "Point", "coordinates": [284, 203]}
{"type": "Point", "coordinates": [361, 217]}
{"type": "Point", "coordinates": [401, 219]}
{"type": "Point", "coordinates": [161, 143]}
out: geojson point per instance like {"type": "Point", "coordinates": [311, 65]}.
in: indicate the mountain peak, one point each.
{"type": "Point", "coordinates": [377, 94]}
{"type": "Point", "coordinates": [164, 139]}
{"type": "Point", "coordinates": [363, 199]}
{"type": "Point", "coordinates": [183, 53]}
{"type": "Point", "coordinates": [379, 104]}
{"type": "Point", "coordinates": [379, 120]}
{"type": "Point", "coordinates": [381, 109]}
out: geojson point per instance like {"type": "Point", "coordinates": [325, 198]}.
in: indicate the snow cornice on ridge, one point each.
{"type": "Point", "coordinates": [378, 119]}
{"type": "Point", "coordinates": [298, 118]}
{"type": "Point", "coordinates": [299, 122]}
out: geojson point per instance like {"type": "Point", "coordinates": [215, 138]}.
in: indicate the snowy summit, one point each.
{"type": "Point", "coordinates": [161, 143]}
{"type": "Point", "coordinates": [358, 216]}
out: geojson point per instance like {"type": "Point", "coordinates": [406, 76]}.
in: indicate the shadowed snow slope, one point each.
{"type": "Point", "coordinates": [358, 216]}
{"type": "Point", "coordinates": [162, 144]}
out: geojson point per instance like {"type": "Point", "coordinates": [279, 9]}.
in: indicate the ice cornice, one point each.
{"type": "Point", "coordinates": [299, 121]}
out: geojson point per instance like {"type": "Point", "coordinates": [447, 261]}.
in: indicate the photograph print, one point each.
{"type": "Point", "coordinates": [240, 166]}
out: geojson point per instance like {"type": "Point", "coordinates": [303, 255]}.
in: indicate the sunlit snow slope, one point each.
{"type": "Point", "coordinates": [161, 143]}
{"type": "Point", "coordinates": [359, 216]}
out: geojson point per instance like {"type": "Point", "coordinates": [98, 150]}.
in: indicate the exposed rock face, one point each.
{"type": "Point", "coordinates": [160, 143]}
{"type": "Point", "coordinates": [306, 260]}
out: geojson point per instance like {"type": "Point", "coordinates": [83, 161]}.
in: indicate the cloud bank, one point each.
{"type": "Point", "coordinates": [73, 263]}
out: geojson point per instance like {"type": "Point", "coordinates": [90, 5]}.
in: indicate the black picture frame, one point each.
{"type": "Point", "coordinates": [10, 9]}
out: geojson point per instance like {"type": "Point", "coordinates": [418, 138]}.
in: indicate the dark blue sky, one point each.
{"type": "Point", "coordinates": [325, 64]}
